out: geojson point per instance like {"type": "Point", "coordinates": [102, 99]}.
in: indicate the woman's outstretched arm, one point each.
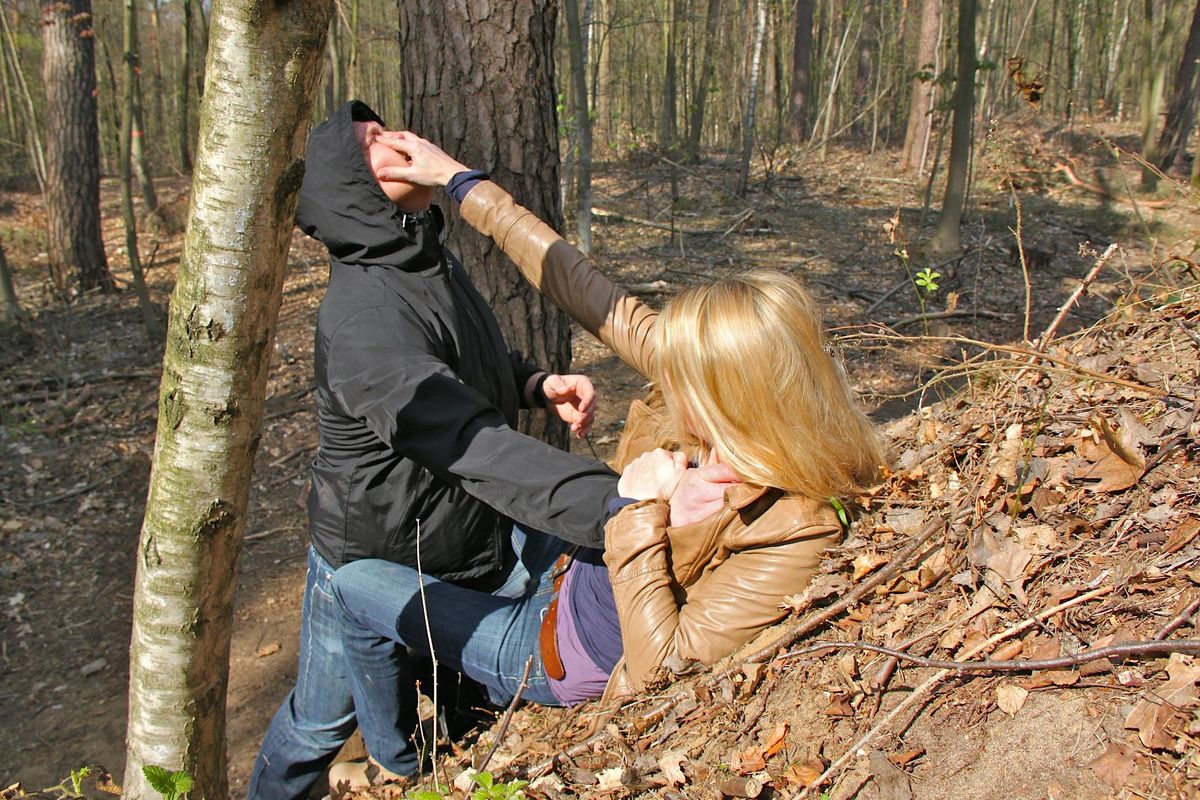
{"type": "Point", "coordinates": [555, 268]}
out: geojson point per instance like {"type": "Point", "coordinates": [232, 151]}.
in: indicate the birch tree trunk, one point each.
{"type": "Point", "coordinates": [948, 238]}
{"type": "Point", "coordinates": [760, 34]}
{"type": "Point", "coordinates": [479, 81]}
{"type": "Point", "coordinates": [219, 343]}
{"type": "Point", "coordinates": [72, 147]}
{"type": "Point", "coordinates": [183, 88]}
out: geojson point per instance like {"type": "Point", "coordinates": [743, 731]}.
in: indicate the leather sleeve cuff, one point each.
{"type": "Point", "coordinates": [464, 182]}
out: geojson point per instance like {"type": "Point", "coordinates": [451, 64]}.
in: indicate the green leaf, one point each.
{"type": "Point", "coordinates": [183, 782]}
{"type": "Point", "coordinates": [424, 794]}
{"type": "Point", "coordinates": [484, 779]}
{"type": "Point", "coordinates": [160, 779]}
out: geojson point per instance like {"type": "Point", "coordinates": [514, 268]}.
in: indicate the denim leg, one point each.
{"type": "Point", "coordinates": [318, 715]}
{"type": "Point", "coordinates": [487, 637]}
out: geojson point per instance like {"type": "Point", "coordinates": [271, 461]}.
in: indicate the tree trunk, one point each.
{"type": "Point", "coordinates": [133, 109]}
{"type": "Point", "coordinates": [948, 240]}
{"type": "Point", "coordinates": [218, 350]}
{"type": "Point", "coordinates": [576, 44]}
{"type": "Point", "coordinates": [10, 311]}
{"type": "Point", "coordinates": [923, 88]}
{"type": "Point", "coordinates": [183, 88]}
{"type": "Point", "coordinates": [129, 131]}
{"type": "Point", "coordinates": [670, 95]}
{"type": "Point", "coordinates": [801, 72]}
{"type": "Point", "coordinates": [760, 33]}
{"type": "Point", "coordinates": [72, 147]}
{"type": "Point", "coordinates": [1181, 111]}
{"type": "Point", "coordinates": [1150, 94]}
{"type": "Point", "coordinates": [479, 81]}
{"type": "Point", "coordinates": [703, 87]}
{"type": "Point", "coordinates": [37, 153]}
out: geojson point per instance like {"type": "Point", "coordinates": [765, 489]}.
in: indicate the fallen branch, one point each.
{"type": "Point", "coordinates": [1066, 307]}
{"type": "Point", "coordinates": [1079, 183]}
{"type": "Point", "coordinates": [1121, 651]}
{"type": "Point", "coordinates": [601, 215]}
{"type": "Point", "coordinates": [936, 315]}
{"type": "Point", "coordinates": [1179, 620]}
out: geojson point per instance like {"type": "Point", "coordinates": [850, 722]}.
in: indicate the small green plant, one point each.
{"type": "Point", "coordinates": [927, 279]}
{"type": "Point", "coordinates": [171, 785]}
{"type": "Point", "coordinates": [72, 785]}
{"type": "Point", "coordinates": [490, 790]}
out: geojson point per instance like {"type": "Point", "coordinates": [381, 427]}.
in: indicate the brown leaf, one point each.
{"type": "Point", "coordinates": [747, 761]}
{"type": "Point", "coordinates": [839, 706]}
{"type": "Point", "coordinates": [867, 563]}
{"type": "Point", "coordinates": [822, 586]}
{"type": "Point", "coordinates": [1151, 716]}
{"type": "Point", "coordinates": [268, 649]}
{"type": "Point", "coordinates": [1010, 698]}
{"type": "Point", "coordinates": [1115, 461]}
{"type": "Point", "coordinates": [906, 757]}
{"type": "Point", "coordinates": [777, 740]}
{"type": "Point", "coordinates": [1183, 534]}
{"type": "Point", "coordinates": [671, 763]}
{"type": "Point", "coordinates": [1062, 677]}
{"type": "Point", "coordinates": [1114, 765]}
{"type": "Point", "coordinates": [805, 773]}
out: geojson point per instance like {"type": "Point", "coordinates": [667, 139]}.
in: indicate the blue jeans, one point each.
{"type": "Point", "coordinates": [317, 717]}
{"type": "Point", "coordinates": [487, 636]}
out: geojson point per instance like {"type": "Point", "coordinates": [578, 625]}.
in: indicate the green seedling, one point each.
{"type": "Point", "coordinates": [927, 279]}
{"type": "Point", "coordinates": [490, 790]}
{"type": "Point", "coordinates": [72, 785]}
{"type": "Point", "coordinates": [171, 785]}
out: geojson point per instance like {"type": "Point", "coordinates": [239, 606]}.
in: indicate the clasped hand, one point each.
{"type": "Point", "coordinates": [694, 493]}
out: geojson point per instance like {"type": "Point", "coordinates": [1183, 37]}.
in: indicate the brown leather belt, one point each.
{"type": "Point", "coordinates": [548, 636]}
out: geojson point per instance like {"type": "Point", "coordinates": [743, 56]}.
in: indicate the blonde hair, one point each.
{"type": "Point", "coordinates": [744, 369]}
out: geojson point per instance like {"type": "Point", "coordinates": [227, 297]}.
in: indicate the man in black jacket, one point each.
{"type": "Point", "coordinates": [417, 395]}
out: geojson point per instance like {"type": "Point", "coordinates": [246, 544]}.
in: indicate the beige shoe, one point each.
{"type": "Point", "coordinates": [354, 776]}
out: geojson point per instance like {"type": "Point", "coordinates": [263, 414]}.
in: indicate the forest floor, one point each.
{"type": "Point", "coordinates": [1058, 495]}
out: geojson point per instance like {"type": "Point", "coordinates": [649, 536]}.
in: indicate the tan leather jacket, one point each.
{"type": "Point", "coordinates": [688, 595]}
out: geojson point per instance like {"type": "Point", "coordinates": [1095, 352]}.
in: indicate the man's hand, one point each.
{"type": "Point", "coordinates": [653, 475]}
{"type": "Point", "coordinates": [429, 165]}
{"type": "Point", "coordinates": [700, 493]}
{"type": "Point", "coordinates": [573, 399]}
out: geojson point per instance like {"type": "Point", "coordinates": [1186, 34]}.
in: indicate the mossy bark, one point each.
{"type": "Point", "coordinates": [219, 338]}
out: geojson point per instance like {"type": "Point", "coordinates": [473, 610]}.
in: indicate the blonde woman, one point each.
{"type": "Point", "coordinates": [725, 489]}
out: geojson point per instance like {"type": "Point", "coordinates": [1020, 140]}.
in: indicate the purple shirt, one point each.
{"type": "Point", "coordinates": [588, 631]}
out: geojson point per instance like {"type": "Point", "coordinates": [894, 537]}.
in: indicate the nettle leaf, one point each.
{"type": "Point", "coordinates": [183, 782]}
{"type": "Point", "coordinates": [160, 779]}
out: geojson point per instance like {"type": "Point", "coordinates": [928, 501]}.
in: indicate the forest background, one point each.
{"type": "Point", "coordinates": [929, 165]}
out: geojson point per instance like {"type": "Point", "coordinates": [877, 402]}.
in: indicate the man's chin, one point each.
{"type": "Point", "coordinates": [408, 197]}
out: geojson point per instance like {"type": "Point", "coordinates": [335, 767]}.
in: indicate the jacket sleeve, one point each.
{"type": "Point", "coordinates": [559, 271]}
{"type": "Point", "coordinates": [383, 370]}
{"type": "Point", "coordinates": [522, 372]}
{"type": "Point", "coordinates": [727, 607]}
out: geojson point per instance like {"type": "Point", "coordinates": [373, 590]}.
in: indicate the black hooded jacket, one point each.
{"type": "Point", "coordinates": [417, 392]}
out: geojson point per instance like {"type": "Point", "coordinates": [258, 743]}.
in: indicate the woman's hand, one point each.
{"type": "Point", "coordinates": [652, 475]}
{"type": "Point", "coordinates": [429, 165]}
{"type": "Point", "coordinates": [700, 493]}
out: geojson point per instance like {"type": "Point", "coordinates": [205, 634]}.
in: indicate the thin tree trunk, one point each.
{"type": "Point", "coordinates": [924, 86]}
{"type": "Point", "coordinates": [156, 90]}
{"type": "Point", "coordinates": [183, 89]}
{"type": "Point", "coordinates": [128, 134]}
{"type": "Point", "coordinates": [1185, 96]}
{"type": "Point", "coordinates": [37, 153]}
{"type": "Point", "coordinates": [218, 351]}
{"type": "Point", "coordinates": [1150, 93]}
{"type": "Point", "coordinates": [748, 121]}
{"type": "Point", "coordinates": [72, 147]}
{"type": "Point", "coordinates": [670, 97]}
{"type": "Point", "coordinates": [10, 310]}
{"type": "Point", "coordinates": [948, 238]}
{"type": "Point", "coordinates": [337, 84]}
{"type": "Point", "coordinates": [696, 124]}
{"type": "Point", "coordinates": [496, 108]}
{"type": "Point", "coordinates": [133, 111]}
{"type": "Point", "coordinates": [576, 44]}
{"type": "Point", "coordinates": [801, 72]}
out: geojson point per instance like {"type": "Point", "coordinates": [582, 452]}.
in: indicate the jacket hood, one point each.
{"type": "Point", "coordinates": [343, 206]}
